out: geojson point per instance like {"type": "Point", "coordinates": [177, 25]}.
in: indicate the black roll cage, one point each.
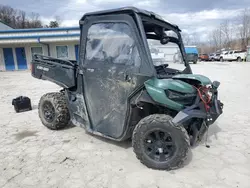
{"type": "Point", "coordinates": [167, 27]}
{"type": "Point", "coordinates": [140, 17]}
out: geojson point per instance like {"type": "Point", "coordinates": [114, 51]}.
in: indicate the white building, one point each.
{"type": "Point", "coordinates": [18, 45]}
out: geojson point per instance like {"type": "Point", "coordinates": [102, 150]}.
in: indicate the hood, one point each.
{"type": "Point", "coordinates": [202, 79]}
{"type": "Point", "coordinates": [164, 84]}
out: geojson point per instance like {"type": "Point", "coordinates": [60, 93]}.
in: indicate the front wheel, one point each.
{"type": "Point", "coordinates": [221, 59]}
{"type": "Point", "coordinates": [239, 59]}
{"type": "Point", "coordinates": [53, 111]}
{"type": "Point", "coordinates": [159, 144]}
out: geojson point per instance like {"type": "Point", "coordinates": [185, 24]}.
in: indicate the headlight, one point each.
{"type": "Point", "coordinates": [178, 95]}
{"type": "Point", "coordinates": [172, 95]}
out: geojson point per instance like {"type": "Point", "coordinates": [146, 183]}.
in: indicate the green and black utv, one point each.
{"type": "Point", "coordinates": [116, 90]}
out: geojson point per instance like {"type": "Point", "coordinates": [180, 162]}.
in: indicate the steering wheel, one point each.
{"type": "Point", "coordinates": [163, 66]}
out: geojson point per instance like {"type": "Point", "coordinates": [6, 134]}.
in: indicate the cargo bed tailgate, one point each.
{"type": "Point", "coordinates": [59, 71]}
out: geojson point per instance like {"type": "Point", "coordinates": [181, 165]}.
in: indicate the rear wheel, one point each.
{"type": "Point", "coordinates": [159, 144]}
{"type": "Point", "coordinates": [53, 111]}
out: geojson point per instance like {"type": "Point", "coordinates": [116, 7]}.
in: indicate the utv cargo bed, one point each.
{"type": "Point", "coordinates": [59, 71]}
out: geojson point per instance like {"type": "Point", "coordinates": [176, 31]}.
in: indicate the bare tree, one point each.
{"type": "Point", "coordinates": [211, 42]}
{"type": "Point", "coordinates": [35, 21]}
{"type": "Point", "coordinates": [7, 15]}
{"type": "Point", "coordinates": [195, 39]}
{"type": "Point", "coordinates": [191, 38]}
{"type": "Point", "coordinates": [226, 29]}
{"type": "Point", "coordinates": [230, 34]}
{"type": "Point", "coordinates": [215, 36]}
{"type": "Point", "coordinates": [186, 38]}
{"type": "Point", "coordinates": [20, 19]}
{"type": "Point", "coordinates": [244, 28]}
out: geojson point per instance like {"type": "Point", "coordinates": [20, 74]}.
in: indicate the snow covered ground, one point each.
{"type": "Point", "coordinates": [33, 156]}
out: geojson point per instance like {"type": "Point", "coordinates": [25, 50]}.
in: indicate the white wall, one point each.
{"type": "Point", "coordinates": [71, 51]}
{"type": "Point", "coordinates": [28, 55]}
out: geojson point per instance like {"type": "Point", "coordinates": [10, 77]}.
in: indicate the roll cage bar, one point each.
{"type": "Point", "coordinates": [146, 22]}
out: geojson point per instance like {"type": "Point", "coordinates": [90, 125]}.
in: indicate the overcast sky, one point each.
{"type": "Point", "coordinates": [197, 16]}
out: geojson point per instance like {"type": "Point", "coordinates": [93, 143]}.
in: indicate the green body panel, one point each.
{"type": "Point", "coordinates": [156, 89]}
{"type": "Point", "coordinates": [203, 79]}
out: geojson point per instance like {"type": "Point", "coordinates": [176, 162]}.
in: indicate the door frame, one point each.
{"type": "Point", "coordinates": [121, 18]}
{"type": "Point", "coordinates": [25, 58]}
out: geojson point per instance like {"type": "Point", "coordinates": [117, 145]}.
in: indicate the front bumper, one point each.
{"type": "Point", "coordinates": [197, 111]}
{"type": "Point", "coordinates": [214, 112]}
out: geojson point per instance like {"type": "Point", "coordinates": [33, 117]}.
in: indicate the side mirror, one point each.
{"type": "Point", "coordinates": [165, 40]}
{"type": "Point", "coordinates": [215, 84]}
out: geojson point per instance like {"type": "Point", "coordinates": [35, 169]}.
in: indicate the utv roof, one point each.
{"type": "Point", "coordinates": [130, 10]}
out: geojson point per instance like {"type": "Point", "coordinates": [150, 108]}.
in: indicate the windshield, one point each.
{"type": "Point", "coordinates": [169, 53]}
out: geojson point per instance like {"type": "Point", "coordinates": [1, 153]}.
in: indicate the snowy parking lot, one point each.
{"type": "Point", "coordinates": [33, 156]}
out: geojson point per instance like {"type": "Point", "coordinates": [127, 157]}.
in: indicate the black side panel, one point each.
{"type": "Point", "coordinates": [77, 106]}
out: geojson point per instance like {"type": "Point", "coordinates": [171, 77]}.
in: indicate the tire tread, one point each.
{"type": "Point", "coordinates": [61, 110]}
{"type": "Point", "coordinates": [160, 118]}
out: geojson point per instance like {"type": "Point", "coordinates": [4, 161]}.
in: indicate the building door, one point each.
{"type": "Point", "coordinates": [21, 58]}
{"type": "Point", "coordinates": [77, 52]}
{"type": "Point", "coordinates": [8, 59]}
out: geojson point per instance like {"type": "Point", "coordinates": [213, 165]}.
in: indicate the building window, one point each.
{"type": "Point", "coordinates": [36, 50]}
{"type": "Point", "coordinates": [62, 52]}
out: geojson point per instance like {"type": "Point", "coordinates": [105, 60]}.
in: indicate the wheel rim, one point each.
{"type": "Point", "coordinates": [159, 145]}
{"type": "Point", "coordinates": [48, 112]}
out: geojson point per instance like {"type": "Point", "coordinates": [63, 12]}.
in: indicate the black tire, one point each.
{"type": "Point", "coordinates": [195, 62]}
{"type": "Point", "coordinates": [221, 59]}
{"type": "Point", "coordinates": [239, 59]}
{"type": "Point", "coordinates": [212, 59]}
{"type": "Point", "coordinates": [180, 140]}
{"type": "Point", "coordinates": [60, 118]}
